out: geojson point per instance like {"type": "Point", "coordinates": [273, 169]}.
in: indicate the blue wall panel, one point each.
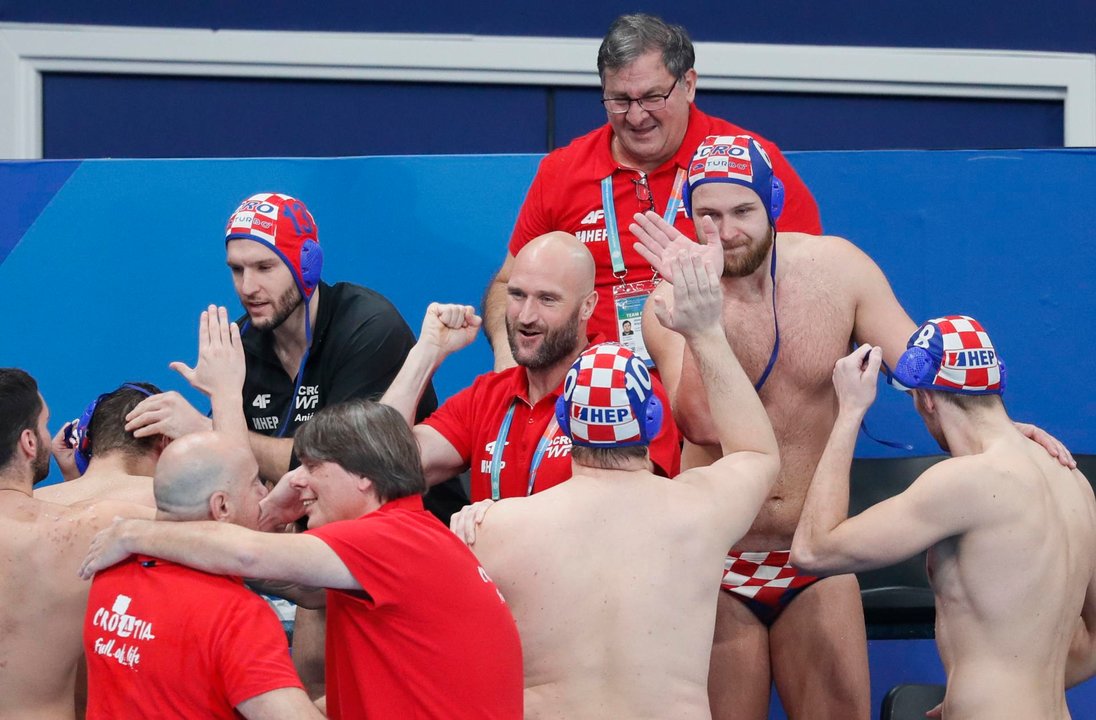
{"type": "Point", "coordinates": [96, 116]}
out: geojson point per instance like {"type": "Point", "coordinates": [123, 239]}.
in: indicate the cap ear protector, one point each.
{"type": "Point", "coordinates": [776, 205]}
{"type": "Point", "coordinates": [642, 401]}
{"type": "Point", "coordinates": [311, 259]}
{"type": "Point", "coordinates": [951, 354]}
{"type": "Point", "coordinates": [81, 435]}
{"type": "Point", "coordinates": [311, 264]}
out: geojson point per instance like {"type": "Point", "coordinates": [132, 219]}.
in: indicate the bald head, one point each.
{"type": "Point", "coordinates": [551, 298]}
{"type": "Point", "coordinates": [193, 468]}
{"type": "Point", "coordinates": [558, 257]}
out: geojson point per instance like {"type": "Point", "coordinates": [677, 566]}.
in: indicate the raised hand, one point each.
{"type": "Point", "coordinates": [64, 452]}
{"type": "Point", "coordinates": [449, 328]}
{"type": "Point", "coordinates": [855, 377]}
{"type": "Point", "coordinates": [697, 294]}
{"type": "Point", "coordinates": [658, 241]}
{"type": "Point", "coordinates": [221, 366]}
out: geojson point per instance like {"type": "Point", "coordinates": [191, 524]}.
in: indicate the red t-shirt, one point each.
{"type": "Point", "coordinates": [566, 195]}
{"type": "Point", "coordinates": [167, 641]}
{"type": "Point", "coordinates": [430, 637]}
{"type": "Point", "coordinates": [471, 420]}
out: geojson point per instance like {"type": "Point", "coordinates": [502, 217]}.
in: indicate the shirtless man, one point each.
{"type": "Point", "coordinates": [1011, 534]}
{"type": "Point", "coordinates": [114, 464]}
{"type": "Point", "coordinates": [611, 576]}
{"type": "Point", "coordinates": [825, 293]}
{"type": "Point", "coordinates": [42, 600]}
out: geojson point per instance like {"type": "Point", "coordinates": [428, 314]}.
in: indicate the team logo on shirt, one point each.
{"type": "Point", "coordinates": [593, 217]}
{"type": "Point", "coordinates": [308, 397]}
{"type": "Point", "coordinates": [264, 424]}
{"type": "Point", "coordinates": [124, 628]}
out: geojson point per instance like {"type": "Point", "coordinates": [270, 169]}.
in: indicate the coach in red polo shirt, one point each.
{"type": "Point", "coordinates": [634, 163]}
{"type": "Point", "coordinates": [502, 428]}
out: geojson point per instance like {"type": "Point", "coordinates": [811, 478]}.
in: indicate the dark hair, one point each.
{"type": "Point", "coordinates": [631, 36]}
{"type": "Point", "coordinates": [368, 439]}
{"type": "Point", "coordinates": [607, 458]}
{"type": "Point", "coordinates": [20, 406]}
{"type": "Point", "coordinates": [107, 428]}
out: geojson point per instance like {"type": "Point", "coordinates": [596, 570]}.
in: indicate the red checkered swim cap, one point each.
{"type": "Point", "coordinates": [608, 399]}
{"type": "Point", "coordinates": [951, 354]}
{"type": "Point", "coordinates": [284, 225]}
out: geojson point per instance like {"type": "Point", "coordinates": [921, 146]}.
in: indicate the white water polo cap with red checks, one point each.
{"type": "Point", "coordinates": [608, 399]}
{"type": "Point", "coordinates": [284, 225]}
{"type": "Point", "coordinates": [739, 160]}
{"type": "Point", "coordinates": [951, 354]}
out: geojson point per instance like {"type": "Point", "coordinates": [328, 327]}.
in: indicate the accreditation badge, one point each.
{"type": "Point", "coordinates": [629, 299]}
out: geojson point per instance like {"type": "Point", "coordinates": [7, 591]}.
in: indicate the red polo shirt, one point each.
{"type": "Point", "coordinates": [566, 195]}
{"type": "Point", "coordinates": [471, 419]}
{"type": "Point", "coordinates": [428, 636]}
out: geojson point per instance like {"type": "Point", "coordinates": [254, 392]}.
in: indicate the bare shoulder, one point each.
{"type": "Point", "coordinates": [505, 520]}
{"type": "Point", "coordinates": [828, 251]}
{"type": "Point", "coordinates": [982, 483]}
{"type": "Point", "coordinates": [97, 514]}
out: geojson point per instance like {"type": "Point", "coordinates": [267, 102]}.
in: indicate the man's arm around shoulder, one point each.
{"type": "Point", "coordinates": [223, 549]}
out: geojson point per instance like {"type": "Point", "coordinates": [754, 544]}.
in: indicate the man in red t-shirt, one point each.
{"type": "Point", "coordinates": [415, 627]}
{"type": "Point", "coordinates": [634, 163]}
{"type": "Point", "coordinates": [502, 427]}
{"type": "Point", "coordinates": [147, 618]}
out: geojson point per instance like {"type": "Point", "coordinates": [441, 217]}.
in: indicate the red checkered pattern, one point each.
{"type": "Point", "coordinates": [281, 222]}
{"type": "Point", "coordinates": [762, 576]}
{"type": "Point", "coordinates": [722, 157]}
{"type": "Point", "coordinates": [959, 333]}
{"type": "Point", "coordinates": [599, 408]}
{"type": "Point", "coordinates": [257, 217]}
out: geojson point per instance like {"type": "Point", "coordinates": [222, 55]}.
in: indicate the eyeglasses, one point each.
{"type": "Point", "coordinates": [650, 103]}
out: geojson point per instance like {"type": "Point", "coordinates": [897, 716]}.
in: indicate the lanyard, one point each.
{"type": "Point", "coordinates": [889, 376]}
{"type": "Point", "coordinates": [500, 445]}
{"type": "Point", "coordinates": [612, 232]}
{"type": "Point", "coordinates": [776, 325]}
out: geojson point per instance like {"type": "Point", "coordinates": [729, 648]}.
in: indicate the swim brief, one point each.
{"type": "Point", "coordinates": [764, 581]}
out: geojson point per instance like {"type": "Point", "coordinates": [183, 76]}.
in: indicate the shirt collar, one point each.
{"type": "Point", "coordinates": [409, 502]}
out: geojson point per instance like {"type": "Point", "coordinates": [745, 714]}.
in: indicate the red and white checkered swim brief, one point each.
{"type": "Point", "coordinates": [765, 581]}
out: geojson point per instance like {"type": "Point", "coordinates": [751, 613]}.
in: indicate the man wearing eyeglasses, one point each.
{"type": "Point", "coordinates": [635, 163]}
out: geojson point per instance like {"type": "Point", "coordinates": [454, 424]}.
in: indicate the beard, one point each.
{"type": "Point", "coordinates": [283, 308]}
{"type": "Point", "coordinates": [555, 344]}
{"type": "Point", "coordinates": [40, 466]}
{"type": "Point", "coordinates": [751, 261]}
